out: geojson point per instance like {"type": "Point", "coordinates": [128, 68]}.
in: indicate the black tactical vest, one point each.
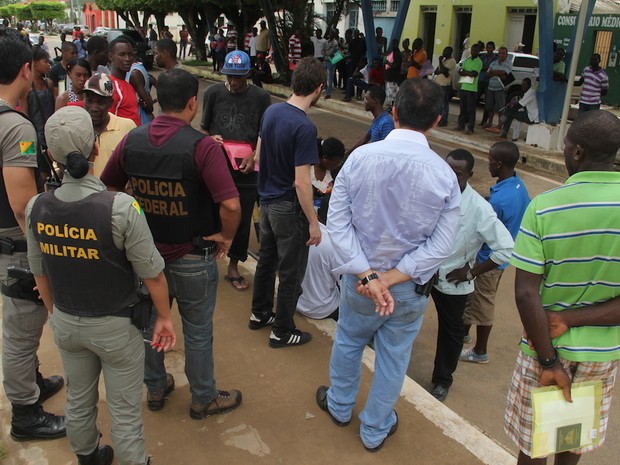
{"type": "Point", "coordinates": [88, 274]}
{"type": "Point", "coordinates": [177, 204]}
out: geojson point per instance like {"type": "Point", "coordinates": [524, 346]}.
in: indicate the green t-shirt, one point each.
{"type": "Point", "coordinates": [571, 236]}
{"type": "Point", "coordinates": [472, 64]}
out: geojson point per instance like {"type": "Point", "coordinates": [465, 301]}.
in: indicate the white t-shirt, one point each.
{"type": "Point", "coordinates": [253, 41]}
{"type": "Point", "coordinates": [321, 295]}
{"type": "Point", "coordinates": [318, 46]}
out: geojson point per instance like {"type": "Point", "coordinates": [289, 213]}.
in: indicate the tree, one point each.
{"type": "Point", "coordinates": [47, 11]}
{"type": "Point", "coordinates": [22, 12]}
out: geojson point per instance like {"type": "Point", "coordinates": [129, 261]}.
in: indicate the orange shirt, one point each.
{"type": "Point", "coordinates": [419, 57]}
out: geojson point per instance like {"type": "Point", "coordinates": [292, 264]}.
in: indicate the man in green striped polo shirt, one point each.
{"type": "Point", "coordinates": [567, 288]}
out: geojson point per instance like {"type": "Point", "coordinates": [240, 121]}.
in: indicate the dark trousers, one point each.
{"type": "Point", "coordinates": [467, 114]}
{"type": "Point", "coordinates": [450, 309]}
{"type": "Point", "coordinates": [447, 96]}
{"type": "Point", "coordinates": [247, 199]}
{"type": "Point", "coordinates": [283, 236]}
{"type": "Point", "coordinates": [517, 112]}
{"type": "Point", "coordinates": [357, 82]}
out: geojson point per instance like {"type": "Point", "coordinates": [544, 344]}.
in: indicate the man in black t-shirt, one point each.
{"type": "Point", "coordinates": [232, 111]}
{"type": "Point", "coordinates": [58, 73]}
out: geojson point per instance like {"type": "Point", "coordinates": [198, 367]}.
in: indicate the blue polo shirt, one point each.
{"type": "Point", "coordinates": [509, 199]}
{"type": "Point", "coordinates": [380, 127]}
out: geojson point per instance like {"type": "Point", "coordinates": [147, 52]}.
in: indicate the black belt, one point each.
{"type": "Point", "coordinates": [10, 246]}
{"type": "Point", "coordinates": [202, 247]}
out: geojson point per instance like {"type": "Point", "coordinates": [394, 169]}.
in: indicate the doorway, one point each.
{"type": "Point", "coordinates": [462, 26]}
{"type": "Point", "coordinates": [429, 21]}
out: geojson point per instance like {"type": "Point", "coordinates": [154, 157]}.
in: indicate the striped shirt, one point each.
{"type": "Point", "coordinates": [593, 83]}
{"type": "Point", "coordinates": [294, 48]}
{"type": "Point", "coordinates": [571, 236]}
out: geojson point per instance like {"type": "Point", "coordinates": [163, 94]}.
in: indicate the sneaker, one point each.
{"type": "Point", "coordinates": [466, 339]}
{"type": "Point", "coordinates": [155, 400]}
{"type": "Point", "coordinates": [294, 338]}
{"type": "Point", "coordinates": [225, 401]}
{"type": "Point", "coordinates": [468, 355]}
{"type": "Point", "coordinates": [321, 401]}
{"type": "Point", "coordinates": [392, 430]}
{"type": "Point", "coordinates": [440, 392]}
{"type": "Point", "coordinates": [258, 322]}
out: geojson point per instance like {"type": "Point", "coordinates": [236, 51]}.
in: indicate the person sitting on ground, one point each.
{"type": "Point", "coordinates": [78, 72]}
{"type": "Point", "coordinates": [166, 54]}
{"type": "Point", "coordinates": [261, 71]}
{"type": "Point", "coordinates": [382, 124]}
{"type": "Point", "coordinates": [358, 79]}
{"type": "Point", "coordinates": [525, 110]}
{"type": "Point", "coordinates": [322, 175]}
{"type": "Point", "coordinates": [321, 295]}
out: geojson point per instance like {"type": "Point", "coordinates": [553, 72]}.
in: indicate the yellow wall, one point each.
{"type": "Point", "coordinates": [489, 21]}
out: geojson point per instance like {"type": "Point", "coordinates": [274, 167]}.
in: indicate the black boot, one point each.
{"type": "Point", "coordinates": [48, 386]}
{"type": "Point", "coordinates": [32, 422]}
{"type": "Point", "coordinates": [101, 456]}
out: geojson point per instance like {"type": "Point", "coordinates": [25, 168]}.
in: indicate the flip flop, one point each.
{"type": "Point", "coordinates": [234, 280]}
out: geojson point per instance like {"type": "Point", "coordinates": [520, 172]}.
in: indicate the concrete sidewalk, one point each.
{"type": "Point", "coordinates": [279, 421]}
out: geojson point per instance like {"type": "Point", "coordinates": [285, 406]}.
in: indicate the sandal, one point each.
{"type": "Point", "coordinates": [237, 282]}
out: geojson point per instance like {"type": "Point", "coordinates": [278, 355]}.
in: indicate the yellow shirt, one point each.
{"type": "Point", "coordinates": [116, 129]}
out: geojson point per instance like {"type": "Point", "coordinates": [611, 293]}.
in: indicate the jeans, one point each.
{"type": "Point", "coordinates": [283, 236]}
{"type": "Point", "coordinates": [330, 67]}
{"type": "Point", "coordinates": [358, 323]}
{"type": "Point", "coordinates": [447, 96]}
{"type": "Point", "coordinates": [467, 114]}
{"type": "Point", "coordinates": [88, 346]}
{"type": "Point", "coordinates": [450, 309]}
{"type": "Point", "coordinates": [192, 280]}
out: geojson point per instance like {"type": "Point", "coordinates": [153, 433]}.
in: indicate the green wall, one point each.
{"type": "Point", "coordinates": [564, 25]}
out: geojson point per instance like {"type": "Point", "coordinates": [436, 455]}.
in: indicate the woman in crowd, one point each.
{"type": "Point", "coordinates": [78, 72]}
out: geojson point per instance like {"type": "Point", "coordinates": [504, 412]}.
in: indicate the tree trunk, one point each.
{"type": "Point", "coordinates": [160, 19]}
{"type": "Point", "coordinates": [195, 18]}
{"type": "Point", "coordinates": [123, 14]}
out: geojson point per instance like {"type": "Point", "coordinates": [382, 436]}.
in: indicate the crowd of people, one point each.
{"type": "Point", "coordinates": [138, 208]}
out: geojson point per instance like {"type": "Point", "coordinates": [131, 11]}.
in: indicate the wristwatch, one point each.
{"type": "Point", "coordinates": [369, 278]}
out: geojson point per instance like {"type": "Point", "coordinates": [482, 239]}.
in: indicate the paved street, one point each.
{"type": "Point", "coordinates": [279, 422]}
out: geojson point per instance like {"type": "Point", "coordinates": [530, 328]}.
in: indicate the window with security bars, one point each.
{"type": "Point", "coordinates": [602, 44]}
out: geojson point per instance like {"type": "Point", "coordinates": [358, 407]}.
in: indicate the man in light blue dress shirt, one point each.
{"type": "Point", "coordinates": [392, 218]}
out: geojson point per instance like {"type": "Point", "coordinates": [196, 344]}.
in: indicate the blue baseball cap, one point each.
{"type": "Point", "coordinates": [237, 63]}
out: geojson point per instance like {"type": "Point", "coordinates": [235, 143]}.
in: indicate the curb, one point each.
{"type": "Point", "coordinates": [546, 161]}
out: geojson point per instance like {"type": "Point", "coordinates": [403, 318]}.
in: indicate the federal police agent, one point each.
{"type": "Point", "coordinates": [182, 182]}
{"type": "Point", "coordinates": [22, 319]}
{"type": "Point", "coordinates": [87, 246]}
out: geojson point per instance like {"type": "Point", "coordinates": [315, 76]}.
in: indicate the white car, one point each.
{"type": "Point", "coordinates": [101, 31]}
{"type": "Point", "coordinates": [523, 65]}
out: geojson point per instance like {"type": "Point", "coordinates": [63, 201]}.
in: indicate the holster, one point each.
{"type": "Point", "coordinates": [425, 289]}
{"type": "Point", "coordinates": [142, 310]}
{"type": "Point", "coordinates": [20, 285]}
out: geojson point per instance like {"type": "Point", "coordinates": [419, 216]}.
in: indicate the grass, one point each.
{"type": "Point", "coordinates": [2, 451]}
{"type": "Point", "coordinates": [197, 63]}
